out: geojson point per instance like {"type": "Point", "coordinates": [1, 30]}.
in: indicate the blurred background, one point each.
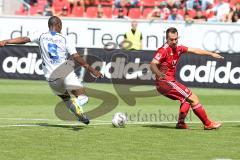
{"type": "Point", "coordinates": [188, 10]}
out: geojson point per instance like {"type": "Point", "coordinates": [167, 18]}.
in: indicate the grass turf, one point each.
{"type": "Point", "coordinates": [44, 136]}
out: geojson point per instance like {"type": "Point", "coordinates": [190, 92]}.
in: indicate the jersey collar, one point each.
{"type": "Point", "coordinates": [53, 33]}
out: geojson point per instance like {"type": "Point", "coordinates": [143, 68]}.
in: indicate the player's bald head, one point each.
{"type": "Point", "coordinates": [55, 23]}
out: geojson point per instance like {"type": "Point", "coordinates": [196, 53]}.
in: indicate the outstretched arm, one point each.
{"type": "Point", "coordinates": [76, 57]}
{"type": "Point", "coordinates": [204, 52]}
{"type": "Point", "coordinates": [19, 40]}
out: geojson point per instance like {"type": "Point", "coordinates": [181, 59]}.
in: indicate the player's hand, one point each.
{"type": "Point", "coordinates": [215, 55]}
{"type": "Point", "coordinates": [161, 76]}
{"type": "Point", "coordinates": [97, 74]}
{"type": "Point", "coordinates": [3, 43]}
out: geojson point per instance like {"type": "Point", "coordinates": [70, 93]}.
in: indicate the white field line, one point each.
{"type": "Point", "coordinates": [42, 125]}
{"type": "Point", "coordinates": [40, 119]}
{"type": "Point", "coordinates": [104, 121]}
{"type": "Point", "coordinates": [97, 122]}
{"type": "Point", "coordinates": [29, 119]}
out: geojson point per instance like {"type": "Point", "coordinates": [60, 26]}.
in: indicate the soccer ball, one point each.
{"type": "Point", "coordinates": [119, 120]}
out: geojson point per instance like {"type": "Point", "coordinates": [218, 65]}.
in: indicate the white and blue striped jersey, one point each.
{"type": "Point", "coordinates": [55, 48]}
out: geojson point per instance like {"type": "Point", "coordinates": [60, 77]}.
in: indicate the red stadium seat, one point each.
{"type": "Point", "coordinates": [135, 13]}
{"type": "Point", "coordinates": [107, 11]}
{"type": "Point", "coordinates": [60, 1]}
{"type": "Point", "coordinates": [59, 4]}
{"type": "Point", "coordinates": [58, 8]}
{"type": "Point", "coordinates": [91, 12]}
{"type": "Point", "coordinates": [34, 9]}
{"type": "Point", "coordinates": [42, 2]}
{"type": "Point", "coordinates": [181, 12]}
{"type": "Point", "coordinates": [78, 12]}
{"type": "Point", "coordinates": [233, 2]}
{"type": "Point", "coordinates": [90, 3]}
{"type": "Point", "coordinates": [146, 11]}
{"type": "Point", "coordinates": [191, 13]}
{"type": "Point", "coordinates": [21, 11]}
{"type": "Point", "coordinates": [209, 14]}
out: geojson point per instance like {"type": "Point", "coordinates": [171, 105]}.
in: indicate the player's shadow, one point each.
{"type": "Point", "coordinates": [71, 127]}
{"type": "Point", "coordinates": [232, 126]}
{"type": "Point", "coordinates": [155, 126]}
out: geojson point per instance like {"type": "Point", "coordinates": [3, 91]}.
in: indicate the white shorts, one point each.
{"type": "Point", "coordinates": [61, 85]}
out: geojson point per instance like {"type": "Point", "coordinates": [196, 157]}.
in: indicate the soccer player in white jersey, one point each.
{"type": "Point", "coordinates": [57, 53]}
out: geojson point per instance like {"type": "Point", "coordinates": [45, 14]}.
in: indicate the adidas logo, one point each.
{"type": "Point", "coordinates": [209, 73]}
{"type": "Point", "coordinates": [25, 65]}
{"type": "Point", "coordinates": [122, 70]}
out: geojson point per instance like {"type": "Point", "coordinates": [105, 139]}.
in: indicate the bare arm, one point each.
{"type": "Point", "coordinates": [204, 52]}
{"type": "Point", "coordinates": [19, 40]}
{"type": "Point", "coordinates": [155, 70]}
{"type": "Point", "coordinates": [76, 57]}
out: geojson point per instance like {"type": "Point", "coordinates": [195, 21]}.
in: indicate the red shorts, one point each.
{"type": "Point", "coordinates": [173, 90]}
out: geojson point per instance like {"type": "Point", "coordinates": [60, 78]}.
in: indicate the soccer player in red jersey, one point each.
{"type": "Point", "coordinates": [164, 66]}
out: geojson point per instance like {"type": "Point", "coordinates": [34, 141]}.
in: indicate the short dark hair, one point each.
{"type": "Point", "coordinates": [171, 30]}
{"type": "Point", "coordinates": [53, 21]}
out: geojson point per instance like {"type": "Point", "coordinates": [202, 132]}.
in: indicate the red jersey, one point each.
{"type": "Point", "coordinates": [168, 59]}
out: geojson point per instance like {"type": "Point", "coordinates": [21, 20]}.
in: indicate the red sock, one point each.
{"type": "Point", "coordinates": [184, 108]}
{"type": "Point", "coordinates": [200, 112]}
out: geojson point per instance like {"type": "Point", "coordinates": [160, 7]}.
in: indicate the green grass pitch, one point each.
{"type": "Point", "coordinates": [30, 129]}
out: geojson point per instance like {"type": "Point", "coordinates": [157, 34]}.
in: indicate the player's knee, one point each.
{"type": "Point", "coordinates": [193, 99]}
{"type": "Point", "coordinates": [82, 99]}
